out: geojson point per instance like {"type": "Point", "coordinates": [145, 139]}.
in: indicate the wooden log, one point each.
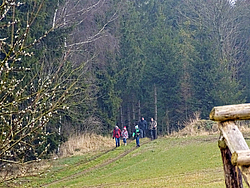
{"type": "Point", "coordinates": [232, 135]}
{"type": "Point", "coordinates": [235, 142]}
{"type": "Point", "coordinates": [230, 112]}
{"type": "Point", "coordinates": [233, 177]}
{"type": "Point", "coordinates": [241, 158]}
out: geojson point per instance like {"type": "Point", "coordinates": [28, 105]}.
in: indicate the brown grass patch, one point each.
{"type": "Point", "coordinates": [78, 145]}
{"type": "Point", "coordinates": [196, 126]}
{"type": "Point", "coordinates": [10, 172]}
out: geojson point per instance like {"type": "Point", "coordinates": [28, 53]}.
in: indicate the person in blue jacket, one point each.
{"type": "Point", "coordinates": [136, 135]}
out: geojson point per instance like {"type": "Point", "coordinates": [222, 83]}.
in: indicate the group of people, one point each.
{"type": "Point", "coordinates": [117, 134]}
{"type": "Point", "coordinates": [143, 126]}
{"type": "Point", "coordinates": [140, 131]}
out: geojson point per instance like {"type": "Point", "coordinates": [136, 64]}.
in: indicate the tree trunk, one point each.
{"type": "Point", "coordinates": [167, 123]}
{"type": "Point", "coordinates": [129, 119]}
{"type": "Point", "coordinates": [155, 97]}
{"type": "Point", "coordinates": [59, 133]}
{"type": "Point", "coordinates": [139, 109]}
{"type": "Point", "coordinates": [133, 112]}
{"type": "Point", "coordinates": [121, 116]}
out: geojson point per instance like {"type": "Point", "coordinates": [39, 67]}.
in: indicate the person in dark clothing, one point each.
{"type": "Point", "coordinates": [136, 135]}
{"type": "Point", "coordinates": [153, 128]}
{"type": "Point", "coordinates": [117, 135]}
{"type": "Point", "coordinates": [143, 126]}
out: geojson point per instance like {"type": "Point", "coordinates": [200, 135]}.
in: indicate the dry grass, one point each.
{"type": "Point", "coordinates": [12, 171]}
{"type": "Point", "coordinates": [77, 145]}
{"type": "Point", "coordinates": [243, 126]}
{"type": "Point", "coordinates": [196, 126]}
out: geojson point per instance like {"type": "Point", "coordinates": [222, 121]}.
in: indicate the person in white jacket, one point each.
{"type": "Point", "coordinates": [124, 135]}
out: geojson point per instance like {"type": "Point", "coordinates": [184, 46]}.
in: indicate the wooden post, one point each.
{"type": "Point", "coordinates": [234, 142]}
{"type": "Point", "coordinates": [232, 135]}
{"type": "Point", "coordinates": [232, 173]}
{"type": "Point", "coordinates": [245, 173]}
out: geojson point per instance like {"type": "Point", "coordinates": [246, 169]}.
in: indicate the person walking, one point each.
{"type": "Point", "coordinates": [153, 129]}
{"type": "Point", "coordinates": [136, 135]}
{"type": "Point", "coordinates": [124, 135]}
{"type": "Point", "coordinates": [117, 135]}
{"type": "Point", "coordinates": [143, 126]}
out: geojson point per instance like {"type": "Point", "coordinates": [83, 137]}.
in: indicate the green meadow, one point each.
{"type": "Point", "coordinates": [165, 162]}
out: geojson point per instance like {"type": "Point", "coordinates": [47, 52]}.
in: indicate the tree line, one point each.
{"type": "Point", "coordinates": [75, 66]}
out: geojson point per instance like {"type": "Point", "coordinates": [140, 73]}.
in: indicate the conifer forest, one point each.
{"type": "Point", "coordinates": [74, 66]}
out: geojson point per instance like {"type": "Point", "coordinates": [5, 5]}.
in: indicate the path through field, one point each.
{"type": "Point", "coordinates": [171, 162]}
{"type": "Point", "coordinates": [96, 167]}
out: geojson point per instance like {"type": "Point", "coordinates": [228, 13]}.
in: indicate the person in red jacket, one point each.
{"type": "Point", "coordinates": [117, 135]}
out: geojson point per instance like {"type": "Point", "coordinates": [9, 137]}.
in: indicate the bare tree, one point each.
{"type": "Point", "coordinates": [92, 37]}
{"type": "Point", "coordinates": [29, 96]}
{"type": "Point", "coordinates": [92, 25]}
{"type": "Point", "coordinates": [226, 23]}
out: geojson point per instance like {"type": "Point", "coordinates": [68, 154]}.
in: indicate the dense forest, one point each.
{"type": "Point", "coordinates": [74, 66]}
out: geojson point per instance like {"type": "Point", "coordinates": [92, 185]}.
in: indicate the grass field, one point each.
{"type": "Point", "coordinates": [166, 162]}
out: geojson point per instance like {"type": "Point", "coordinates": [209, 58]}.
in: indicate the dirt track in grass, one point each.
{"type": "Point", "coordinates": [96, 166]}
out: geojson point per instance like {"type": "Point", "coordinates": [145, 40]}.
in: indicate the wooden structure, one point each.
{"type": "Point", "coordinates": [234, 149]}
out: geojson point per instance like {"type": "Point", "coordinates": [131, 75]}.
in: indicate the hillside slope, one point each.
{"type": "Point", "coordinates": [165, 162]}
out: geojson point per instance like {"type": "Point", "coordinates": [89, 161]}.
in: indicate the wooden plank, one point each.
{"type": "Point", "coordinates": [241, 158]}
{"type": "Point", "coordinates": [230, 112]}
{"type": "Point", "coordinates": [232, 135]}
